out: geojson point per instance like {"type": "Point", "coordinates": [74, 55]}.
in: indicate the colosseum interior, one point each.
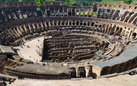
{"type": "Point", "coordinates": [63, 42]}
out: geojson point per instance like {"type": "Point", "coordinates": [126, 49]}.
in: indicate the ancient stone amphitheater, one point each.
{"type": "Point", "coordinates": [55, 41]}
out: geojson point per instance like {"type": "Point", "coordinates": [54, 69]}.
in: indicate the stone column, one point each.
{"type": "Point", "coordinates": [54, 11]}
{"type": "Point", "coordinates": [84, 13]}
{"type": "Point", "coordinates": [58, 11]}
{"type": "Point", "coordinates": [75, 22]}
{"type": "Point", "coordinates": [13, 33]}
{"type": "Point", "coordinates": [68, 22]}
{"type": "Point", "coordinates": [63, 12]}
{"type": "Point", "coordinates": [88, 13]}
{"type": "Point", "coordinates": [77, 71]}
{"type": "Point", "coordinates": [57, 23]}
{"type": "Point", "coordinates": [16, 32]}
{"type": "Point", "coordinates": [30, 29]}
{"type": "Point", "coordinates": [71, 12]}
{"type": "Point", "coordinates": [67, 11]}
{"type": "Point", "coordinates": [34, 28]}
{"type": "Point", "coordinates": [21, 14]}
{"type": "Point", "coordinates": [11, 15]}
{"type": "Point", "coordinates": [45, 12]}
{"type": "Point", "coordinates": [75, 11]}
{"type": "Point", "coordinates": [25, 29]}
{"type": "Point", "coordinates": [49, 23]}
{"type": "Point", "coordinates": [61, 23]}
{"type": "Point", "coordinates": [79, 12]}
{"type": "Point", "coordinates": [79, 22]}
{"type": "Point", "coordinates": [42, 27]}
{"type": "Point", "coordinates": [45, 25]}
{"type": "Point", "coordinates": [27, 13]}
{"type": "Point", "coordinates": [86, 23]}
{"type": "Point", "coordinates": [87, 71]}
{"type": "Point", "coordinates": [71, 22]}
{"type": "Point", "coordinates": [19, 31]}
{"type": "Point", "coordinates": [41, 12]}
{"type": "Point", "coordinates": [6, 16]}
{"type": "Point", "coordinates": [10, 32]}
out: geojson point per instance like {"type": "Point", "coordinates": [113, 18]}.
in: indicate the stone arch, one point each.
{"type": "Point", "coordinates": [135, 21]}
{"type": "Point", "coordinates": [123, 16]}
{"type": "Point", "coordinates": [121, 67]}
{"type": "Point", "coordinates": [81, 22]}
{"type": "Point", "coordinates": [73, 22]}
{"type": "Point", "coordinates": [114, 68]}
{"type": "Point", "coordinates": [106, 70]}
{"type": "Point", "coordinates": [132, 18]}
{"type": "Point", "coordinates": [47, 23]}
{"type": "Point", "coordinates": [59, 23]}
{"type": "Point", "coordinates": [88, 23]}
{"type": "Point", "coordinates": [127, 65]}
{"type": "Point", "coordinates": [66, 22]}
{"type": "Point", "coordinates": [134, 63]}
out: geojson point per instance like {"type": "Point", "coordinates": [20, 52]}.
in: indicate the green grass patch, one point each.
{"type": "Point", "coordinates": [94, 15]}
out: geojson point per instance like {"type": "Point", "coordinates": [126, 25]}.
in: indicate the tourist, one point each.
{"type": "Point", "coordinates": [4, 83]}
{"type": "Point", "coordinates": [10, 80]}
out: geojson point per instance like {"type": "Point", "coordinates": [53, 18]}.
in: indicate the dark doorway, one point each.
{"type": "Point", "coordinates": [134, 35]}
{"type": "Point", "coordinates": [73, 72]}
{"type": "Point", "coordinates": [82, 72]}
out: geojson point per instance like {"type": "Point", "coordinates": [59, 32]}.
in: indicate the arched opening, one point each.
{"type": "Point", "coordinates": [73, 22]}
{"type": "Point", "coordinates": [92, 24]}
{"type": "Point", "coordinates": [73, 72]}
{"type": "Point", "coordinates": [70, 22]}
{"type": "Point", "coordinates": [80, 22]}
{"type": "Point", "coordinates": [120, 30]}
{"type": "Point", "coordinates": [134, 35]}
{"type": "Point", "coordinates": [117, 29]}
{"type": "Point", "coordinates": [69, 13]}
{"type": "Point", "coordinates": [48, 12]}
{"type": "Point", "coordinates": [58, 22]}
{"type": "Point", "coordinates": [62, 22]}
{"type": "Point", "coordinates": [82, 72]}
{"type": "Point", "coordinates": [77, 23]}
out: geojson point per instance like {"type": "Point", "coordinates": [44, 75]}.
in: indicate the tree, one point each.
{"type": "Point", "coordinates": [127, 1]}
{"type": "Point", "coordinates": [24, 0]}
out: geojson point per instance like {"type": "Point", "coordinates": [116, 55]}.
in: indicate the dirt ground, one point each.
{"type": "Point", "coordinates": [123, 80]}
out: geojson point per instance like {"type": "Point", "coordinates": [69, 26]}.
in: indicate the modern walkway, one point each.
{"type": "Point", "coordinates": [124, 80]}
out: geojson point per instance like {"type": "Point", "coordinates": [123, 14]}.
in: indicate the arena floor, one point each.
{"type": "Point", "coordinates": [32, 49]}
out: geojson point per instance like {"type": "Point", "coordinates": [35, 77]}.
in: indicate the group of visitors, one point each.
{"type": "Point", "coordinates": [134, 72]}
{"type": "Point", "coordinates": [38, 51]}
{"type": "Point", "coordinates": [4, 80]}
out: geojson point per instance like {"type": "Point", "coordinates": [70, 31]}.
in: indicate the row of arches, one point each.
{"type": "Point", "coordinates": [118, 68]}
{"type": "Point", "coordinates": [87, 25]}
{"type": "Point", "coordinates": [15, 14]}
{"type": "Point", "coordinates": [81, 72]}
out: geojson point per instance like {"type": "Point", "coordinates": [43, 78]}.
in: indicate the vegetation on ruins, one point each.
{"type": "Point", "coordinates": [78, 2]}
